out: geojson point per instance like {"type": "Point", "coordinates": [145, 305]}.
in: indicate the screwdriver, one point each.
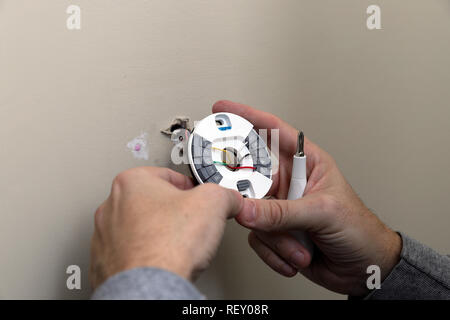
{"type": "Point", "coordinates": [297, 188]}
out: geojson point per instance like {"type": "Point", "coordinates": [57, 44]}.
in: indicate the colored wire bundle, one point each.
{"type": "Point", "coordinates": [234, 168]}
{"type": "Point", "coordinates": [227, 165]}
{"type": "Point", "coordinates": [226, 152]}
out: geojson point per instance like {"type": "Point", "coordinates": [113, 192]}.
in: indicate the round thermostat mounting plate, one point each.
{"type": "Point", "coordinates": [225, 149]}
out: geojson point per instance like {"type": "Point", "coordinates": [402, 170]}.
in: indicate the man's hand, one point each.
{"type": "Point", "coordinates": [348, 236]}
{"type": "Point", "coordinates": [155, 218]}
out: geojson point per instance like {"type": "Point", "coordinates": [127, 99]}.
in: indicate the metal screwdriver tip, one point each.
{"type": "Point", "coordinates": [300, 142]}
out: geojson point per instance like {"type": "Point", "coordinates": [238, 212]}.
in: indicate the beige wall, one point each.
{"type": "Point", "coordinates": [71, 100]}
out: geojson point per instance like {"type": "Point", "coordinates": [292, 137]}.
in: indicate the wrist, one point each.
{"type": "Point", "coordinates": [172, 265]}
{"type": "Point", "coordinates": [386, 256]}
{"type": "Point", "coordinates": [392, 253]}
{"type": "Point", "coordinates": [390, 247]}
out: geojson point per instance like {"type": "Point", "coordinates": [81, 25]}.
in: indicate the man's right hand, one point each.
{"type": "Point", "coordinates": [348, 236]}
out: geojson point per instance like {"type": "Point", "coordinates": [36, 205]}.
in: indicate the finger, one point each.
{"type": "Point", "coordinates": [306, 214]}
{"type": "Point", "coordinates": [287, 247]}
{"type": "Point", "coordinates": [129, 177]}
{"type": "Point", "coordinates": [175, 178]}
{"type": "Point", "coordinates": [104, 217]}
{"type": "Point", "coordinates": [223, 200]}
{"type": "Point", "coordinates": [261, 120]}
{"type": "Point", "coordinates": [269, 257]}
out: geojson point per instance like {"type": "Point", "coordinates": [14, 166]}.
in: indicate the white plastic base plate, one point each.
{"type": "Point", "coordinates": [230, 132]}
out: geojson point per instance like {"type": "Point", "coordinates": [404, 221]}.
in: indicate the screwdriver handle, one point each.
{"type": "Point", "coordinates": [296, 190]}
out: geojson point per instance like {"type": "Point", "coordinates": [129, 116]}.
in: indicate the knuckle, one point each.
{"type": "Point", "coordinates": [280, 245]}
{"type": "Point", "coordinates": [213, 191]}
{"type": "Point", "coordinates": [284, 247]}
{"type": "Point", "coordinates": [275, 214]}
{"type": "Point", "coordinates": [268, 257]}
{"type": "Point", "coordinates": [123, 178]}
{"type": "Point", "coordinates": [203, 197]}
{"type": "Point", "coordinates": [97, 218]}
{"type": "Point", "coordinates": [126, 177]}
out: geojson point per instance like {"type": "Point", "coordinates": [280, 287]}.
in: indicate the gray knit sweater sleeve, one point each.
{"type": "Point", "coordinates": [422, 273]}
{"type": "Point", "coordinates": [146, 284]}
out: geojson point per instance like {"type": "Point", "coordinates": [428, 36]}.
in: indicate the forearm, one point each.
{"type": "Point", "coordinates": [422, 273]}
{"type": "Point", "coordinates": [146, 284]}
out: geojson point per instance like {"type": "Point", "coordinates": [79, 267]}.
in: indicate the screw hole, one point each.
{"type": "Point", "coordinates": [175, 126]}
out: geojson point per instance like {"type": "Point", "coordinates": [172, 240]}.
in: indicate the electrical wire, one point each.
{"type": "Point", "coordinates": [224, 151]}
{"type": "Point", "coordinates": [227, 165]}
{"type": "Point", "coordinates": [234, 168]}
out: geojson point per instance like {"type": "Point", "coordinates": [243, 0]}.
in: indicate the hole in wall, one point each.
{"type": "Point", "coordinates": [175, 126]}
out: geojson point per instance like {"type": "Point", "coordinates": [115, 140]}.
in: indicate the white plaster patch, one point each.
{"type": "Point", "coordinates": [139, 147]}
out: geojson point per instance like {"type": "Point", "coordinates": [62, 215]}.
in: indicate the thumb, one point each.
{"type": "Point", "coordinates": [228, 203]}
{"type": "Point", "coordinates": [280, 215]}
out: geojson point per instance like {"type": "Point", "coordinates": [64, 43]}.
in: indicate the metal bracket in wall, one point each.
{"type": "Point", "coordinates": [180, 122]}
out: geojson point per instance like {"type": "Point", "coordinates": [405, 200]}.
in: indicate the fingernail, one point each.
{"type": "Point", "coordinates": [298, 259]}
{"type": "Point", "coordinates": [249, 211]}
